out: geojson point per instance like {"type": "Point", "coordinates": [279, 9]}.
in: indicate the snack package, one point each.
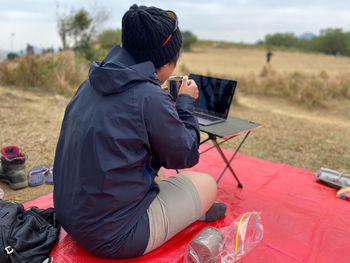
{"type": "Point", "coordinates": [344, 193]}
{"type": "Point", "coordinates": [228, 244]}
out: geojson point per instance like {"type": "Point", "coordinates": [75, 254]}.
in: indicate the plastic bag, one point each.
{"type": "Point", "coordinates": [228, 244]}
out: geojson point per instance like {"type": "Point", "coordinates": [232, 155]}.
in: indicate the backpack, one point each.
{"type": "Point", "coordinates": [26, 235]}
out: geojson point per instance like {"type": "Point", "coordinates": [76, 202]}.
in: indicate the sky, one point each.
{"type": "Point", "coordinates": [248, 21]}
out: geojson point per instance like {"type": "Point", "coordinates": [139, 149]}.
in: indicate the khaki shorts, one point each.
{"type": "Point", "coordinates": [177, 196]}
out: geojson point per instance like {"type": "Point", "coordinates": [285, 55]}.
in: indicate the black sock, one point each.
{"type": "Point", "coordinates": [216, 211]}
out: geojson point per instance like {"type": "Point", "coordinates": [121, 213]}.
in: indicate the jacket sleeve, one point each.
{"type": "Point", "coordinates": [173, 132]}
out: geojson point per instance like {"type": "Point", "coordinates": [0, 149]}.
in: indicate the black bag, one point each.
{"type": "Point", "coordinates": [26, 235]}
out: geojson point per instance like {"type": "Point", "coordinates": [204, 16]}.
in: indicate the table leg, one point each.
{"type": "Point", "coordinates": [211, 137]}
{"type": "Point", "coordinates": [229, 162]}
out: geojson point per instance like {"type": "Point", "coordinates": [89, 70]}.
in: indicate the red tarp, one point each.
{"type": "Point", "coordinates": [303, 220]}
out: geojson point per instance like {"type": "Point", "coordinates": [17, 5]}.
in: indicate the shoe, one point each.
{"type": "Point", "coordinates": [49, 178]}
{"type": "Point", "coordinates": [333, 178]}
{"type": "Point", "coordinates": [12, 169]}
{"type": "Point", "coordinates": [36, 175]}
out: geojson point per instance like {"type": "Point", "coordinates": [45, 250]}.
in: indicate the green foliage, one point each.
{"type": "Point", "coordinates": [308, 45]}
{"type": "Point", "coordinates": [78, 30]}
{"type": "Point", "coordinates": [74, 28]}
{"type": "Point", "coordinates": [80, 26]}
{"type": "Point", "coordinates": [188, 39]}
{"type": "Point", "coordinates": [281, 40]}
{"type": "Point", "coordinates": [109, 38]}
{"type": "Point", "coordinates": [91, 53]}
{"type": "Point", "coordinates": [333, 41]}
{"type": "Point", "coordinates": [12, 55]}
{"type": "Point", "coordinates": [330, 41]}
{"type": "Point", "coordinates": [97, 50]}
{"type": "Point", "coordinates": [226, 44]}
{"type": "Point", "coordinates": [81, 21]}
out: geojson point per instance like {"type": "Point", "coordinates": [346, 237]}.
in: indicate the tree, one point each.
{"type": "Point", "coordinates": [281, 39]}
{"type": "Point", "coordinates": [78, 28]}
{"type": "Point", "coordinates": [333, 41]}
{"type": "Point", "coordinates": [347, 39]}
{"type": "Point", "coordinates": [12, 55]}
{"type": "Point", "coordinates": [188, 39]}
{"type": "Point", "coordinates": [109, 38]}
{"type": "Point", "coordinates": [329, 41]}
{"type": "Point", "coordinates": [64, 26]}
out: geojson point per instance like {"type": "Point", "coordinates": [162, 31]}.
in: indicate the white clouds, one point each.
{"type": "Point", "coordinates": [251, 23]}
{"type": "Point", "coordinates": [38, 34]}
{"type": "Point", "coordinates": [232, 20]}
{"type": "Point", "coordinates": [23, 15]}
{"type": "Point", "coordinates": [299, 20]}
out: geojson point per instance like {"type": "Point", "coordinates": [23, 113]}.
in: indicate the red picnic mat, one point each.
{"type": "Point", "coordinates": [302, 218]}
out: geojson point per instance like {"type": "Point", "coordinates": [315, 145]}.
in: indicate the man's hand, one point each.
{"type": "Point", "coordinates": [189, 87]}
{"type": "Point", "coordinates": [166, 88]}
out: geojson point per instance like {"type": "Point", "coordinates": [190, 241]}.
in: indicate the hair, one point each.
{"type": "Point", "coordinates": [175, 59]}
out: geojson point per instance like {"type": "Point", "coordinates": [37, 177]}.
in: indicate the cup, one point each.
{"type": "Point", "coordinates": [174, 83]}
{"type": "Point", "coordinates": [206, 246]}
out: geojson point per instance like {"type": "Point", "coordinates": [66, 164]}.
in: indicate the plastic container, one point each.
{"type": "Point", "coordinates": [228, 244]}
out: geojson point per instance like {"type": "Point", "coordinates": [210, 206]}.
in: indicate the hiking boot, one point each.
{"type": "Point", "coordinates": [12, 169]}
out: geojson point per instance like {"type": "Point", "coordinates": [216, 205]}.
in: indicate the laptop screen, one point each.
{"type": "Point", "coordinates": [215, 95]}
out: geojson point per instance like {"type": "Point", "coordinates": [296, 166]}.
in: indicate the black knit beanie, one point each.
{"type": "Point", "coordinates": [144, 32]}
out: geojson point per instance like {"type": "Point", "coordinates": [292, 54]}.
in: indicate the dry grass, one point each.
{"type": "Point", "coordinates": [306, 79]}
{"type": "Point", "coordinates": [60, 72]}
{"type": "Point", "coordinates": [305, 89]}
{"type": "Point", "coordinates": [243, 61]}
{"type": "Point", "coordinates": [298, 136]}
{"type": "Point", "coordinates": [31, 120]}
{"type": "Point", "coordinates": [294, 135]}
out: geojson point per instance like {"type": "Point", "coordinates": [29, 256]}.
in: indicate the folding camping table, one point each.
{"type": "Point", "coordinates": [227, 130]}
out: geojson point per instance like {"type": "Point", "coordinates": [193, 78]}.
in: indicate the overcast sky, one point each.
{"type": "Point", "coordinates": [34, 21]}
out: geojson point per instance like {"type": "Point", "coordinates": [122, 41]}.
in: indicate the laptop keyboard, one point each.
{"type": "Point", "coordinates": [206, 117]}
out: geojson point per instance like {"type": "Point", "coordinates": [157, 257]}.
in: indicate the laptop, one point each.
{"type": "Point", "coordinates": [214, 99]}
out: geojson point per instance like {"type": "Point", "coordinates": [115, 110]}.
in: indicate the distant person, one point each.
{"type": "Point", "coordinates": [118, 130]}
{"type": "Point", "coordinates": [269, 54]}
{"type": "Point", "coordinates": [30, 49]}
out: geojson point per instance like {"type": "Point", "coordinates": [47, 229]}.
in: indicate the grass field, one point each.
{"type": "Point", "coordinates": [297, 135]}
{"type": "Point", "coordinates": [240, 61]}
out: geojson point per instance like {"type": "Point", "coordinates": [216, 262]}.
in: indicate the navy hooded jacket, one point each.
{"type": "Point", "coordinates": [118, 130]}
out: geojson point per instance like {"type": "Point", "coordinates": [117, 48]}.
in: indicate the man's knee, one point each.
{"type": "Point", "coordinates": [202, 179]}
{"type": "Point", "coordinates": [206, 187]}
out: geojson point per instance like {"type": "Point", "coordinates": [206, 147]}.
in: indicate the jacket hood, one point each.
{"type": "Point", "coordinates": [118, 70]}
